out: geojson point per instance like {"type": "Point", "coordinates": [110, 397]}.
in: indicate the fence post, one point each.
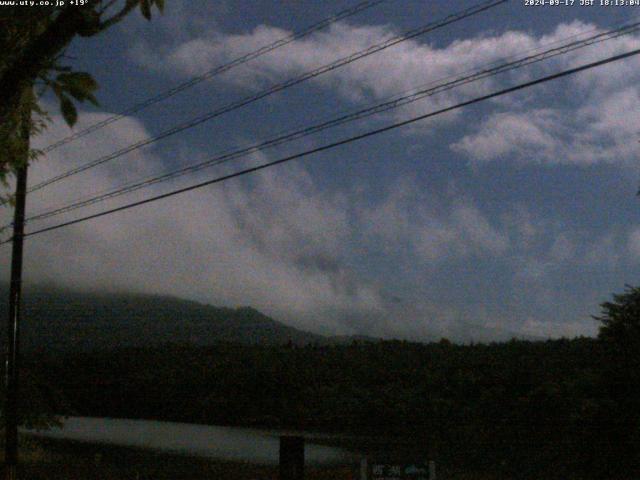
{"type": "Point", "coordinates": [363, 468]}
{"type": "Point", "coordinates": [432, 470]}
{"type": "Point", "coordinates": [291, 458]}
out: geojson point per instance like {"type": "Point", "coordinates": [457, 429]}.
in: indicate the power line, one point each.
{"type": "Point", "coordinates": [131, 186]}
{"type": "Point", "coordinates": [364, 113]}
{"type": "Point", "coordinates": [454, 17]}
{"type": "Point", "coordinates": [360, 7]}
{"type": "Point", "coordinates": [345, 141]}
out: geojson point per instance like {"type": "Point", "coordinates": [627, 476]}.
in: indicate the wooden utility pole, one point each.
{"type": "Point", "coordinates": [13, 328]}
{"type": "Point", "coordinates": [15, 294]}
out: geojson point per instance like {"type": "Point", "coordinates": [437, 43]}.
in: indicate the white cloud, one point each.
{"type": "Point", "coordinates": [599, 132]}
{"type": "Point", "coordinates": [565, 250]}
{"type": "Point", "coordinates": [275, 241]}
{"type": "Point", "coordinates": [633, 243]}
{"type": "Point", "coordinates": [467, 232]}
{"type": "Point", "coordinates": [604, 252]}
{"type": "Point", "coordinates": [407, 220]}
{"type": "Point", "coordinates": [275, 245]}
{"type": "Point", "coordinates": [595, 126]}
{"type": "Point", "coordinates": [508, 135]}
{"type": "Point", "coordinates": [550, 329]}
{"type": "Point", "coordinates": [403, 67]}
{"type": "Point", "coordinates": [279, 243]}
{"type": "Point", "coordinates": [562, 249]}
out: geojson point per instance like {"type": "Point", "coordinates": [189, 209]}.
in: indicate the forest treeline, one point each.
{"type": "Point", "coordinates": [518, 406]}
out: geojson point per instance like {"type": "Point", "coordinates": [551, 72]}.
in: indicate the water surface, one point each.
{"type": "Point", "coordinates": [223, 443]}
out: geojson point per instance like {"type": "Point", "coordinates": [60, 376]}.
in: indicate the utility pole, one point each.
{"type": "Point", "coordinates": [15, 294]}
{"type": "Point", "coordinates": [13, 328]}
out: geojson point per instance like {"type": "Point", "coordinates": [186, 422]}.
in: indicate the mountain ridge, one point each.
{"type": "Point", "coordinates": [60, 319]}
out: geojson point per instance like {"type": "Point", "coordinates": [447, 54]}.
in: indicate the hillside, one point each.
{"type": "Point", "coordinates": [62, 320]}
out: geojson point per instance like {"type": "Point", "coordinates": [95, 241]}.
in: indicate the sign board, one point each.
{"type": "Point", "coordinates": [398, 471]}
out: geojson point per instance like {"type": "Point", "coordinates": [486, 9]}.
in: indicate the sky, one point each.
{"type": "Point", "coordinates": [515, 217]}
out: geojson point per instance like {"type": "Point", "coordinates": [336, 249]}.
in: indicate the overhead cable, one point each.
{"type": "Point", "coordinates": [348, 12]}
{"type": "Point", "coordinates": [332, 145]}
{"type": "Point", "coordinates": [358, 115]}
{"type": "Point", "coordinates": [449, 19]}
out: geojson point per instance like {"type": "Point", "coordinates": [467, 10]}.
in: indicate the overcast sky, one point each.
{"type": "Point", "coordinates": [517, 216]}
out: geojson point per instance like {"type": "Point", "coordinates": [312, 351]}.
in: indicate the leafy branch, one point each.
{"type": "Point", "coordinates": [30, 46]}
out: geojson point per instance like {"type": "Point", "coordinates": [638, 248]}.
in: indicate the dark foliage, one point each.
{"type": "Point", "coordinates": [620, 382]}
{"type": "Point", "coordinates": [515, 407]}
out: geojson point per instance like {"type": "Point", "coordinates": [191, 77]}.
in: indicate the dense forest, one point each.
{"type": "Point", "coordinates": [565, 408]}
{"type": "Point", "coordinates": [517, 405]}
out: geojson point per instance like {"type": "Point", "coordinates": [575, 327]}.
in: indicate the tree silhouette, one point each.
{"type": "Point", "coordinates": [32, 46]}
{"type": "Point", "coordinates": [620, 320]}
{"type": "Point", "coordinates": [33, 40]}
{"type": "Point", "coordinates": [620, 338]}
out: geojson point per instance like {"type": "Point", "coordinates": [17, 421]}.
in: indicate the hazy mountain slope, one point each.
{"type": "Point", "coordinates": [56, 319]}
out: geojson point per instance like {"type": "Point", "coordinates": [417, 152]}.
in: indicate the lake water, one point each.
{"type": "Point", "coordinates": [223, 443]}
